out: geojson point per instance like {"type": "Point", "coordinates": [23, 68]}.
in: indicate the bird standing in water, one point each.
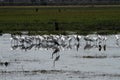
{"type": "Point", "coordinates": [100, 47]}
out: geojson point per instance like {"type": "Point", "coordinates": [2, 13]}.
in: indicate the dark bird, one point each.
{"type": "Point", "coordinates": [55, 51]}
{"type": "Point", "coordinates": [77, 38]}
{"type": "Point", "coordinates": [100, 47]}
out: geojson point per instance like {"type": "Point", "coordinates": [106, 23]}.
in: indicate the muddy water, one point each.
{"type": "Point", "coordinates": [74, 63]}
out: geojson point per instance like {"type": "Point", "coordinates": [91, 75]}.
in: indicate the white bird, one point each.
{"type": "Point", "coordinates": [69, 39]}
{"type": "Point", "coordinates": [117, 37]}
{"type": "Point", "coordinates": [117, 40]}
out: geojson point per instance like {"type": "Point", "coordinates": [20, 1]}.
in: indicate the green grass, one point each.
{"type": "Point", "coordinates": [79, 19]}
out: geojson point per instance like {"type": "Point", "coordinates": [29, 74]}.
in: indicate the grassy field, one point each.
{"type": "Point", "coordinates": [79, 19]}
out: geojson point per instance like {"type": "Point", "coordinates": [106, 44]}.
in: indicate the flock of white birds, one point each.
{"type": "Point", "coordinates": [59, 42]}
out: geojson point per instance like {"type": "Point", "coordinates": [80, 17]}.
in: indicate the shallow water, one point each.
{"type": "Point", "coordinates": [36, 63]}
